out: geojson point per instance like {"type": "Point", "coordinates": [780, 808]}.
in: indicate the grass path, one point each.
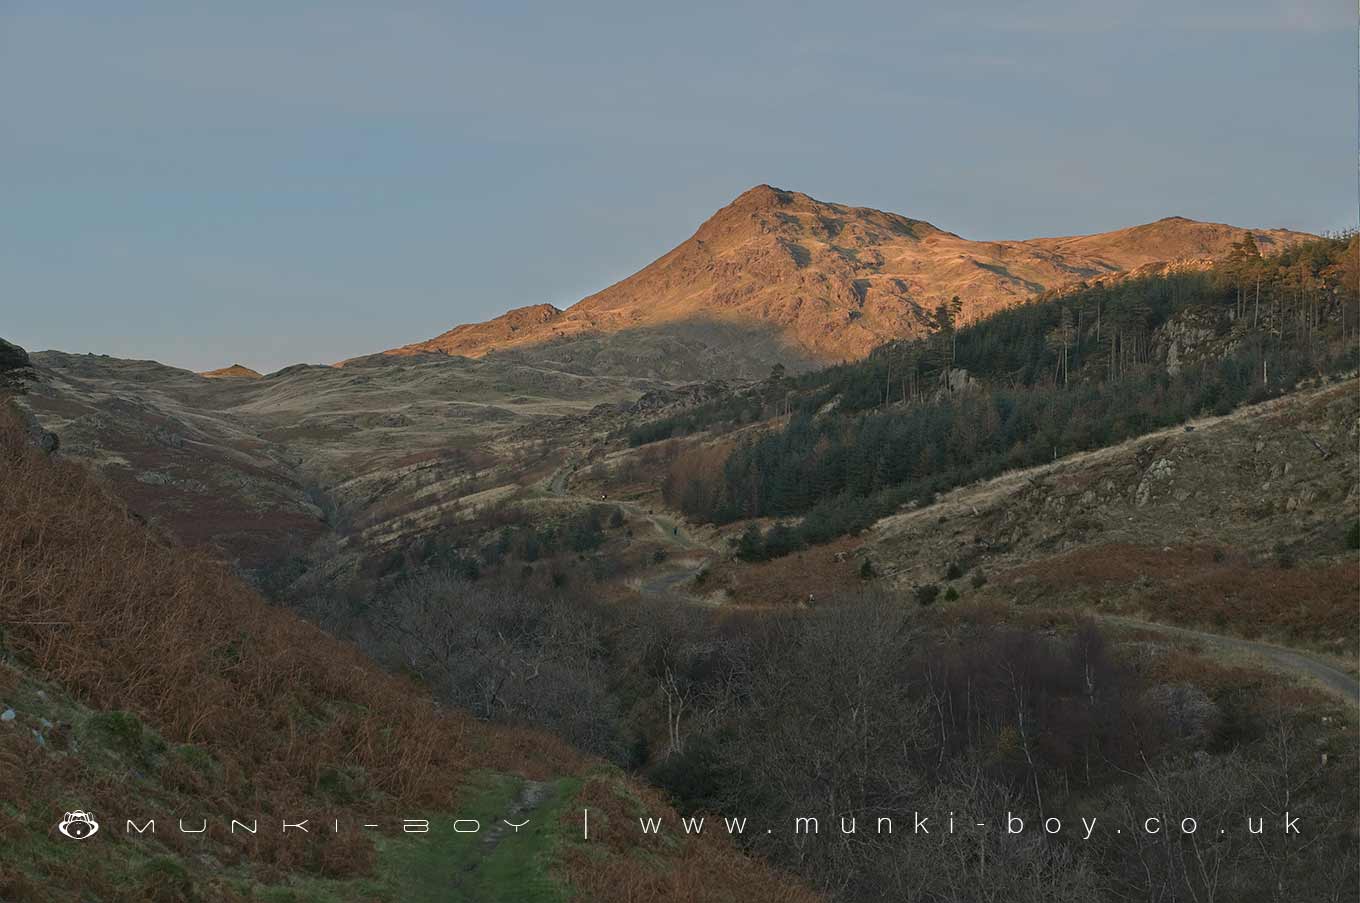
{"type": "Point", "coordinates": [499, 862]}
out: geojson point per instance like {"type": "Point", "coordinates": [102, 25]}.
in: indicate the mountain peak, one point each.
{"type": "Point", "coordinates": [811, 280]}
{"type": "Point", "coordinates": [763, 195]}
{"type": "Point", "coordinates": [754, 204]}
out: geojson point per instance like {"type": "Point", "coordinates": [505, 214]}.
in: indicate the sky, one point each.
{"type": "Point", "coordinates": [281, 182]}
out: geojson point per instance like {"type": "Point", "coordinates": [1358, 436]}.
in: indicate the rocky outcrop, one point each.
{"type": "Point", "coordinates": [1191, 336]}
{"type": "Point", "coordinates": [12, 357]}
{"type": "Point", "coordinates": [14, 365]}
{"type": "Point", "coordinates": [960, 381]}
{"type": "Point", "coordinates": [669, 400]}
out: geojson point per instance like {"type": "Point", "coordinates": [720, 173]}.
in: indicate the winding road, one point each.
{"type": "Point", "coordinates": [1333, 679]}
{"type": "Point", "coordinates": [1302, 664]}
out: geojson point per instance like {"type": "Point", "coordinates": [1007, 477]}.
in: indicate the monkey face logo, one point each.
{"type": "Point", "coordinates": [78, 825]}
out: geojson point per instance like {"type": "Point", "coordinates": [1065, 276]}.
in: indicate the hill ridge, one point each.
{"type": "Point", "coordinates": [826, 282]}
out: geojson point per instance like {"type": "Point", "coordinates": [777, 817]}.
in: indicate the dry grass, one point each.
{"type": "Point", "coordinates": [95, 601]}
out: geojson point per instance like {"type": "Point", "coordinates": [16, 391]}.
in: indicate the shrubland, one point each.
{"type": "Point", "coordinates": [864, 708]}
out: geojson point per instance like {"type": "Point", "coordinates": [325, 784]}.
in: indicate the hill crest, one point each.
{"type": "Point", "coordinates": [235, 371]}
{"type": "Point", "coordinates": [830, 282]}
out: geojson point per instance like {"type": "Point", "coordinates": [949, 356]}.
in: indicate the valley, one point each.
{"type": "Point", "coordinates": [1084, 540]}
{"type": "Point", "coordinates": [654, 453]}
{"type": "Point", "coordinates": [391, 446]}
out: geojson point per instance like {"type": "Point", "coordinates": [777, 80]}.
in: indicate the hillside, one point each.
{"type": "Point", "coordinates": [505, 331]}
{"type": "Point", "coordinates": [1236, 525]}
{"type": "Point", "coordinates": [261, 467]}
{"type": "Point", "coordinates": [812, 282]}
{"type": "Point", "coordinates": [235, 371]}
{"type": "Point", "coordinates": [1214, 568]}
{"type": "Point", "coordinates": [1069, 373]}
{"type": "Point", "coordinates": [141, 680]}
{"type": "Point", "coordinates": [988, 569]}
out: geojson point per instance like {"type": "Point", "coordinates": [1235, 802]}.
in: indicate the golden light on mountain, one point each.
{"type": "Point", "coordinates": [828, 282]}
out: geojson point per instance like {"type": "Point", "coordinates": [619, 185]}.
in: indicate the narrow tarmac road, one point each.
{"type": "Point", "coordinates": [1336, 681]}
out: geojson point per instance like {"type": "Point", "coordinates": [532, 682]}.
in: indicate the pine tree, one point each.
{"type": "Point", "coordinates": [943, 344]}
{"type": "Point", "coordinates": [955, 319]}
{"type": "Point", "coordinates": [1060, 341]}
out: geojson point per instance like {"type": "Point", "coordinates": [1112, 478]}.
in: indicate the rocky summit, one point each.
{"type": "Point", "coordinates": [779, 275]}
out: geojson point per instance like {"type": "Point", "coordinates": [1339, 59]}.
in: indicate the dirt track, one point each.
{"type": "Point", "coordinates": [1293, 661]}
{"type": "Point", "coordinates": [670, 530]}
{"type": "Point", "coordinates": [1334, 680]}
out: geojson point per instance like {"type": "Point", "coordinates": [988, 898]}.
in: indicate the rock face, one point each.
{"type": "Point", "coordinates": [12, 357]}
{"type": "Point", "coordinates": [813, 282]}
{"type": "Point", "coordinates": [960, 381]}
{"type": "Point", "coordinates": [677, 399]}
{"type": "Point", "coordinates": [1191, 336]}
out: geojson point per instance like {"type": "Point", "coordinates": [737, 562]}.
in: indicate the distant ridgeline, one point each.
{"type": "Point", "coordinates": [1065, 373]}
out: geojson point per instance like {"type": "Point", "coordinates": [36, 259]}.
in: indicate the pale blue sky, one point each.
{"type": "Point", "coordinates": [279, 182]}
